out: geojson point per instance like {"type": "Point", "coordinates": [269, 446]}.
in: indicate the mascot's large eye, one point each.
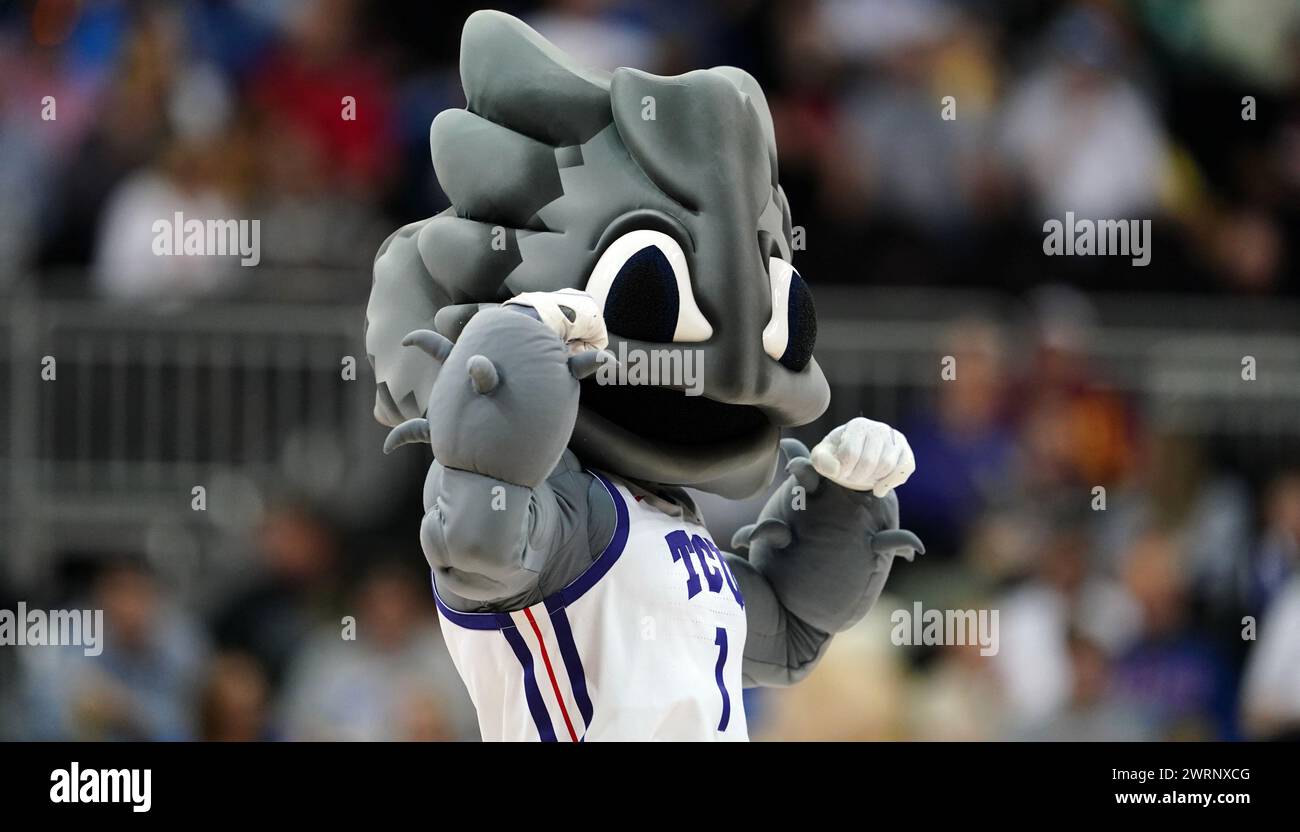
{"type": "Point", "coordinates": [790, 335]}
{"type": "Point", "coordinates": [644, 287]}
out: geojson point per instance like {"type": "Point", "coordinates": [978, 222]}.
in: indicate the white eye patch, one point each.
{"type": "Point", "coordinates": [644, 273]}
{"type": "Point", "coordinates": [776, 335]}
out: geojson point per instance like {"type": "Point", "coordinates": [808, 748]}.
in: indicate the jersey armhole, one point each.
{"type": "Point", "coordinates": [564, 597]}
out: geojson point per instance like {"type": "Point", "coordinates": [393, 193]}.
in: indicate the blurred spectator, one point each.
{"type": "Point", "coordinates": [961, 698]}
{"type": "Point", "coordinates": [128, 131]}
{"type": "Point", "coordinates": [1208, 511]}
{"type": "Point", "coordinates": [1271, 690]}
{"type": "Point", "coordinates": [393, 680]}
{"type": "Point", "coordinates": [191, 105]}
{"type": "Point", "coordinates": [144, 684]}
{"type": "Point", "coordinates": [1175, 672]}
{"type": "Point", "coordinates": [305, 85]}
{"type": "Point", "coordinates": [126, 266]}
{"type": "Point", "coordinates": [964, 450]}
{"type": "Point", "coordinates": [1086, 139]}
{"type": "Point", "coordinates": [44, 112]}
{"type": "Point", "coordinates": [1254, 39]}
{"type": "Point", "coordinates": [1278, 555]}
{"type": "Point", "coordinates": [1065, 595]}
{"type": "Point", "coordinates": [1075, 429]}
{"type": "Point", "coordinates": [1248, 248]}
{"type": "Point", "coordinates": [326, 136]}
{"type": "Point", "coordinates": [272, 616]}
{"type": "Point", "coordinates": [234, 706]}
{"type": "Point", "coordinates": [1092, 713]}
{"type": "Point", "coordinates": [605, 34]}
{"type": "Point", "coordinates": [915, 164]}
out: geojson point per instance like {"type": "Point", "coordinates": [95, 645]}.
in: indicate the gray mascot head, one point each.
{"type": "Point", "coordinates": [659, 197]}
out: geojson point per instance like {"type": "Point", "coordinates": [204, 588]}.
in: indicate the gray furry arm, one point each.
{"type": "Point", "coordinates": [508, 511]}
{"type": "Point", "coordinates": [817, 560]}
{"type": "Point", "coordinates": [493, 545]}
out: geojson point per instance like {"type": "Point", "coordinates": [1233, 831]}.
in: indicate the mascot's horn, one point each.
{"type": "Point", "coordinates": [482, 374]}
{"type": "Point", "coordinates": [430, 342]}
{"type": "Point", "coordinates": [407, 433]}
{"type": "Point", "coordinates": [585, 363]}
{"type": "Point", "coordinates": [899, 542]}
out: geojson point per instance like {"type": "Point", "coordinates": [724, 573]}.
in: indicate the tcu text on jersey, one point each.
{"type": "Point", "coordinates": [682, 545]}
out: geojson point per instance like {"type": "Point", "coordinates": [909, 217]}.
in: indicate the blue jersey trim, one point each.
{"type": "Point", "coordinates": [572, 664]}
{"type": "Point", "coordinates": [472, 620]}
{"type": "Point", "coordinates": [559, 600]}
{"type": "Point", "coordinates": [536, 707]}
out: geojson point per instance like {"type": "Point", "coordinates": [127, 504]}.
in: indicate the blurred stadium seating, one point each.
{"type": "Point", "coordinates": [923, 241]}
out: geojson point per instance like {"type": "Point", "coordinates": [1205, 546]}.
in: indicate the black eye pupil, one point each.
{"type": "Point", "coordinates": [642, 302]}
{"type": "Point", "coordinates": [802, 321]}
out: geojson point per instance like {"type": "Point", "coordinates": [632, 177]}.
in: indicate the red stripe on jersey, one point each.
{"type": "Point", "coordinates": [555, 686]}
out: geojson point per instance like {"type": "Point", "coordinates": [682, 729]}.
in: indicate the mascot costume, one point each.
{"type": "Point", "coordinates": [597, 215]}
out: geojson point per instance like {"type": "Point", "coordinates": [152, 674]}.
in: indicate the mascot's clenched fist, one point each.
{"type": "Point", "coordinates": [596, 215]}
{"type": "Point", "coordinates": [865, 456]}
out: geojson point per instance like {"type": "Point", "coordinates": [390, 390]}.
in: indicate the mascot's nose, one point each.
{"type": "Point", "coordinates": [762, 350]}
{"type": "Point", "coordinates": [736, 368]}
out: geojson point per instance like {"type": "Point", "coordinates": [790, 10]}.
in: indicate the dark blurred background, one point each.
{"type": "Point", "coordinates": [924, 240]}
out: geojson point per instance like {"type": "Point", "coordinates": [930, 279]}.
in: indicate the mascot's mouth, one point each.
{"type": "Point", "coordinates": [670, 417]}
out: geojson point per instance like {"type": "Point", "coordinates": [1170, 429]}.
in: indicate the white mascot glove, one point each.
{"type": "Point", "coordinates": [865, 456]}
{"type": "Point", "coordinates": [571, 313]}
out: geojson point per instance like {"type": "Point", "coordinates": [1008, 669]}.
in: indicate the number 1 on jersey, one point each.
{"type": "Point", "coordinates": [720, 639]}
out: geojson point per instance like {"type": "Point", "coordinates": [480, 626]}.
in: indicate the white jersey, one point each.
{"type": "Point", "coordinates": [646, 644]}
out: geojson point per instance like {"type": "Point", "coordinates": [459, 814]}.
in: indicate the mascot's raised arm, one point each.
{"type": "Point", "coordinates": [627, 214]}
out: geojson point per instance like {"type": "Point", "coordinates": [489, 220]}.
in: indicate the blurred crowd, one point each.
{"type": "Point", "coordinates": [116, 112]}
{"type": "Point", "coordinates": [301, 645]}
{"type": "Point", "coordinates": [1146, 579]}
{"type": "Point", "coordinates": [1125, 621]}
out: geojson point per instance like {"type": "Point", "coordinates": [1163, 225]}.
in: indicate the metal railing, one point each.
{"type": "Point", "coordinates": [111, 417]}
{"type": "Point", "coordinates": [1185, 381]}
